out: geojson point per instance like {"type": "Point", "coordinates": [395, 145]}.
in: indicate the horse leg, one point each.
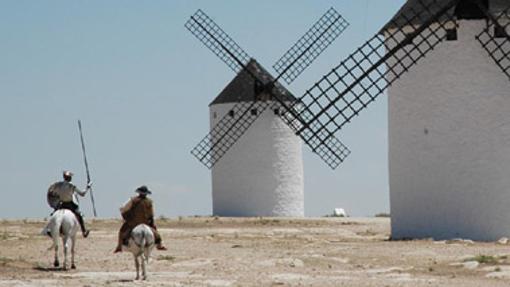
{"type": "Point", "coordinates": [144, 270]}
{"type": "Point", "coordinates": [73, 242]}
{"type": "Point", "coordinates": [65, 242]}
{"type": "Point", "coordinates": [55, 238]}
{"type": "Point", "coordinates": [56, 263]}
{"type": "Point", "coordinates": [147, 255]}
{"type": "Point", "coordinates": [137, 265]}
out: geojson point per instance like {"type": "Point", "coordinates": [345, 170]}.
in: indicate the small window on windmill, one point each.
{"type": "Point", "coordinates": [451, 34]}
{"type": "Point", "coordinates": [277, 111]}
{"type": "Point", "coordinates": [231, 113]}
{"type": "Point", "coordinates": [214, 115]}
{"type": "Point", "coordinates": [499, 32]}
{"type": "Point", "coordinates": [253, 112]}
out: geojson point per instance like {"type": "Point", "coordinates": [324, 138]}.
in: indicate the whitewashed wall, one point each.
{"type": "Point", "coordinates": [262, 174]}
{"type": "Point", "coordinates": [449, 144]}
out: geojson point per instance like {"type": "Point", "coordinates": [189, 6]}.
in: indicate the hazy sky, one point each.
{"type": "Point", "coordinates": [141, 84]}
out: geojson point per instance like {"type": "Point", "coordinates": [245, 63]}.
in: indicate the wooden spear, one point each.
{"type": "Point", "coordinates": [87, 168]}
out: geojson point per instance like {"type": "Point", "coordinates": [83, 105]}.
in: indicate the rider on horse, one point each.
{"type": "Point", "coordinates": [138, 210]}
{"type": "Point", "coordinates": [61, 196]}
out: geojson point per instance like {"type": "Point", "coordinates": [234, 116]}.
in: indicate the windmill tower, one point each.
{"type": "Point", "coordinates": [255, 157]}
{"type": "Point", "coordinates": [272, 183]}
{"type": "Point", "coordinates": [449, 151]}
{"type": "Point", "coordinates": [446, 65]}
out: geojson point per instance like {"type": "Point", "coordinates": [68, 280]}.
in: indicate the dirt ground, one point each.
{"type": "Point", "coordinates": [209, 251]}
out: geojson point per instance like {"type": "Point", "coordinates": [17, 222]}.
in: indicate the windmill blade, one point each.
{"type": "Point", "coordinates": [310, 45]}
{"type": "Point", "coordinates": [356, 82]}
{"type": "Point", "coordinates": [496, 40]}
{"type": "Point", "coordinates": [227, 131]}
{"type": "Point", "coordinates": [214, 38]}
{"type": "Point", "coordinates": [219, 42]}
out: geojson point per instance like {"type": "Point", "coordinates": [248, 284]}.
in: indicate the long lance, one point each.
{"type": "Point", "coordinates": [87, 168]}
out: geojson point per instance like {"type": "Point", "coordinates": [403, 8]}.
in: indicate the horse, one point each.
{"type": "Point", "coordinates": [63, 223]}
{"type": "Point", "coordinates": [140, 244]}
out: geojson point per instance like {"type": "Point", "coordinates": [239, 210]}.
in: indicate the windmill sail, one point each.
{"type": "Point", "coordinates": [357, 81]}
{"type": "Point", "coordinates": [219, 42]}
{"type": "Point", "coordinates": [311, 45]}
{"type": "Point", "coordinates": [229, 129]}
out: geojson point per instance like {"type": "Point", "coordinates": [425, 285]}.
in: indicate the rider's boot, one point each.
{"type": "Point", "coordinates": [119, 246]}
{"type": "Point", "coordinates": [84, 231]}
{"type": "Point", "coordinates": [117, 249]}
{"type": "Point", "coordinates": [159, 244]}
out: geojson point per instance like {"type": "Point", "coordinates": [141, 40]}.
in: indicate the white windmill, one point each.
{"type": "Point", "coordinates": [256, 159]}
{"type": "Point", "coordinates": [447, 66]}
{"type": "Point", "coordinates": [449, 132]}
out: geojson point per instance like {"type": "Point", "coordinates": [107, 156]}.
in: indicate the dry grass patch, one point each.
{"type": "Point", "coordinates": [4, 261]}
{"type": "Point", "coordinates": [165, 258]}
{"type": "Point", "coordinates": [486, 259]}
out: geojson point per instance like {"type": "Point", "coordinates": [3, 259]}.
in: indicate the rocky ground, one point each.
{"type": "Point", "coordinates": [208, 251]}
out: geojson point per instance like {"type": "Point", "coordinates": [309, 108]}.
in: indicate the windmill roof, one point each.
{"type": "Point", "coordinates": [241, 88]}
{"type": "Point", "coordinates": [410, 6]}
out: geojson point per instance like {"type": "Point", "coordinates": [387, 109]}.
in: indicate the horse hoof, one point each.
{"type": "Point", "coordinates": [56, 264]}
{"type": "Point", "coordinates": [64, 268]}
{"type": "Point", "coordinates": [73, 266]}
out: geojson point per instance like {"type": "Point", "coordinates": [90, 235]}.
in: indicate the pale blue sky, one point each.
{"type": "Point", "coordinates": [141, 83]}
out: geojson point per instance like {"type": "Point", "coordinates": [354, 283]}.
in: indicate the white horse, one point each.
{"type": "Point", "coordinates": [141, 243]}
{"type": "Point", "coordinates": [63, 223]}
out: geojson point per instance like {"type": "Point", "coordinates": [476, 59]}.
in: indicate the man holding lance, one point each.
{"type": "Point", "coordinates": [61, 196]}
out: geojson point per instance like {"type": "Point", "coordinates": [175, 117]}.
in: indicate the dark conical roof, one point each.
{"type": "Point", "coordinates": [412, 6]}
{"type": "Point", "coordinates": [241, 88]}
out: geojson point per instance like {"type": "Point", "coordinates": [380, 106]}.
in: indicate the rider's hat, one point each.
{"type": "Point", "coordinates": [67, 173]}
{"type": "Point", "coordinates": [143, 190]}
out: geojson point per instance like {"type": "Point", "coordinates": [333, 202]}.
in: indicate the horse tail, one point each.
{"type": "Point", "coordinates": [143, 242]}
{"type": "Point", "coordinates": [54, 227]}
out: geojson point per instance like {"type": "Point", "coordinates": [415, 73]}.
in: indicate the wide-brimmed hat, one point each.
{"type": "Point", "coordinates": [143, 190]}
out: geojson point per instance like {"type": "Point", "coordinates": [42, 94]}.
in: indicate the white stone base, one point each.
{"type": "Point", "coordinates": [262, 174]}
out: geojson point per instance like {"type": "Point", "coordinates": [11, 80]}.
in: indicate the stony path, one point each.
{"type": "Point", "coordinates": [211, 251]}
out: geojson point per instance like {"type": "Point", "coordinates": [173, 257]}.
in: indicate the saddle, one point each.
{"type": "Point", "coordinates": [59, 206]}
{"type": "Point", "coordinates": [63, 205]}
